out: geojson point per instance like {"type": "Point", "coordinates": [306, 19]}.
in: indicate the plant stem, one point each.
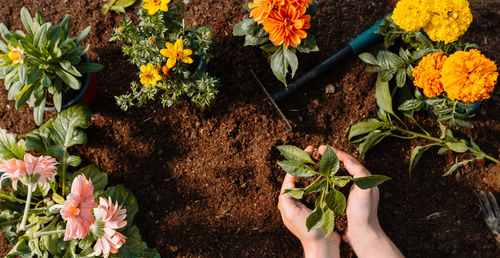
{"type": "Point", "coordinates": [47, 233]}
{"type": "Point", "coordinates": [478, 153]}
{"type": "Point", "coordinates": [26, 207]}
{"type": "Point", "coordinates": [63, 172]}
{"type": "Point", "coordinates": [12, 198]}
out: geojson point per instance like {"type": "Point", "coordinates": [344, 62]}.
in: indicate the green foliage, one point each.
{"type": "Point", "coordinates": [51, 62]}
{"type": "Point", "coordinates": [142, 45]}
{"type": "Point", "coordinates": [398, 67]}
{"type": "Point", "coordinates": [331, 202]}
{"type": "Point", "coordinates": [283, 61]}
{"type": "Point", "coordinates": [116, 5]}
{"type": "Point", "coordinates": [43, 234]}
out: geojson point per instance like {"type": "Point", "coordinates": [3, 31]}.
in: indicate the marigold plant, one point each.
{"type": "Point", "coordinates": [172, 56]}
{"type": "Point", "coordinates": [412, 15]}
{"type": "Point", "coordinates": [428, 74]}
{"type": "Point", "coordinates": [450, 20]}
{"type": "Point", "coordinates": [279, 27]}
{"type": "Point", "coordinates": [61, 217]}
{"type": "Point", "coordinates": [469, 76]}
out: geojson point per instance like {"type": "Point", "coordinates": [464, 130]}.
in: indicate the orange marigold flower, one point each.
{"type": "Point", "coordinates": [262, 8]}
{"type": "Point", "coordinates": [469, 76]}
{"type": "Point", "coordinates": [287, 26]}
{"type": "Point", "coordinates": [300, 3]}
{"type": "Point", "coordinates": [428, 74]}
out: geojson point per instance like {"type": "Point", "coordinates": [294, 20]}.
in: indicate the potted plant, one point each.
{"type": "Point", "coordinates": [43, 66]}
{"type": "Point", "coordinates": [50, 208]}
{"type": "Point", "coordinates": [172, 56]}
{"type": "Point", "coordinates": [280, 27]}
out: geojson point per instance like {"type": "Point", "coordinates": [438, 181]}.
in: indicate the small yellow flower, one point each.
{"type": "Point", "coordinates": [412, 15]}
{"type": "Point", "coordinates": [176, 53]}
{"type": "Point", "coordinates": [121, 30]}
{"type": "Point", "coordinates": [149, 75]}
{"type": "Point", "coordinates": [153, 6]}
{"type": "Point", "coordinates": [209, 34]}
{"type": "Point", "coordinates": [151, 40]}
{"type": "Point", "coordinates": [16, 54]}
{"type": "Point", "coordinates": [469, 76]}
{"type": "Point", "coordinates": [428, 74]}
{"type": "Point", "coordinates": [450, 19]}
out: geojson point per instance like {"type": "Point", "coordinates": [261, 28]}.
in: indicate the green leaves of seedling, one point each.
{"type": "Point", "coordinates": [116, 5]}
{"type": "Point", "coordinates": [331, 202]}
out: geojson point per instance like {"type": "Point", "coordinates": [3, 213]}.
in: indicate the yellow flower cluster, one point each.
{"type": "Point", "coordinates": [468, 76]}
{"type": "Point", "coordinates": [153, 6]}
{"type": "Point", "coordinates": [428, 74]}
{"type": "Point", "coordinates": [412, 15]}
{"type": "Point", "coordinates": [441, 20]}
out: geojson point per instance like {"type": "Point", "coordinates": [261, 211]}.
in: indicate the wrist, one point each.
{"type": "Point", "coordinates": [372, 242]}
{"type": "Point", "coordinates": [324, 248]}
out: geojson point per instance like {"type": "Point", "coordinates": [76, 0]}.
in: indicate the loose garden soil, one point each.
{"type": "Point", "coordinates": [207, 180]}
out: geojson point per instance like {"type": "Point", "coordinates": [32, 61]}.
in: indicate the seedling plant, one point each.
{"type": "Point", "coordinates": [330, 202]}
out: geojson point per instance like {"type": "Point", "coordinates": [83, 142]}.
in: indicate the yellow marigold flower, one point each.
{"type": "Point", "coordinates": [176, 53]}
{"type": "Point", "coordinates": [428, 74]}
{"type": "Point", "coordinates": [412, 15]}
{"type": "Point", "coordinates": [151, 40]}
{"type": "Point", "coordinates": [149, 75]}
{"type": "Point", "coordinates": [153, 6]}
{"type": "Point", "coordinates": [450, 19]}
{"type": "Point", "coordinates": [16, 54]}
{"type": "Point", "coordinates": [121, 30]}
{"type": "Point", "coordinates": [469, 76]}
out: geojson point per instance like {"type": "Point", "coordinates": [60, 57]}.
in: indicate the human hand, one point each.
{"type": "Point", "coordinates": [364, 233]}
{"type": "Point", "coordinates": [294, 214]}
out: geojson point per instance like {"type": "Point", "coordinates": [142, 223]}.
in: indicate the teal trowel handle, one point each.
{"type": "Point", "coordinates": [366, 39]}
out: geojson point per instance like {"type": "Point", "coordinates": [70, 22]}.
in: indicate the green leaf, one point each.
{"type": "Point", "coordinates": [91, 172]}
{"type": "Point", "coordinates": [126, 200]}
{"type": "Point", "coordinates": [254, 41]}
{"type": "Point", "coordinates": [370, 181]}
{"type": "Point", "coordinates": [281, 60]}
{"type": "Point", "coordinates": [294, 153]}
{"type": "Point", "coordinates": [411, 104]}
{"type": "Point", "coordinates": [368, 58]}
{"type": "Point", "coordinates": [316, 219]}
{"type": "Point", "coordinates": [69, 79]}
{"type": "Point", "coordinates": [371, 140]}
{"type": "Point", "coordinates": [134, 246]}
{"type": "Point", "coordinates": [9, 147]}
{"type": "Point", "coordinates": [23, 73]}
{"type": "Point", "coordinates": [33, 75]}
{"type": "Point", "coordinates": [81, 37]}
{"type": "Point", "coordinates": [64, 129]}
{"type": "Point", "coordinates": [308, 45]}
{"type": "Point", "coordinates": [24, 95]}
{"type": "Point", "coordinates": [457, 165]}
{"type": "Point", "coordinates": [295, 168]}
{"type": "Point", "coordinates": [341, 181]}
{"type": "Point", "coordinates": [363, 128]}
{"type": "Point", "coordinates": [296, 193]}
{"type": "Point", "coordinates": [316, 187]}
{"type": "Point", "coordinates": [27, 20]}
{"type": "Point", "coordinates": [329, 223]}
{"type": "Point", "coordinates": [329, 164]}
{"type": "Point", "coordinates": [458, 147]}
{"type": "Point", "coordinates": [336, 201]}
{"type": "Point", "coordinates": [270, 48]}
{"type": "Point", "coordinates": [89, 67]}
{"type": "Point", "coordinates": [416, 154]}
{"type": "Point", "coordinates": [39, 111]}
{"type": "Point", "coordinates": [57, 98]}
{"type": "Point", "coordinates": [244, 27]}
{"type": "Point", "coordinates": [383, 95]}
{"type": "Point", "coordinates": [401, 78]}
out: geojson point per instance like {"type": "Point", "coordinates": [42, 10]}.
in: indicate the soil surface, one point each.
{"type": "Point", "coordinates": [206, 179]}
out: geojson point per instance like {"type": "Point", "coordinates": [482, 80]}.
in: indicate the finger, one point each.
{"type": "Point", "coordinates": [309, 150]}
{"type": "Point", "coordinates": [351, 164]}
{"type": "Point", "coordinates": [288, 182]}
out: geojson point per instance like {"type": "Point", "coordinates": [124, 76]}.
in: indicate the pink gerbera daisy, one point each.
{"type": "Point", "coordinates": [109, 218]}
{"type": "Point", "coordinates": [77, 209]}
{"type": "Point", "coordinates": [30, 171]}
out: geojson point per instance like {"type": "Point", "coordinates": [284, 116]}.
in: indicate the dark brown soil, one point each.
{"type": "Point", "coordinates": [207, 180]}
